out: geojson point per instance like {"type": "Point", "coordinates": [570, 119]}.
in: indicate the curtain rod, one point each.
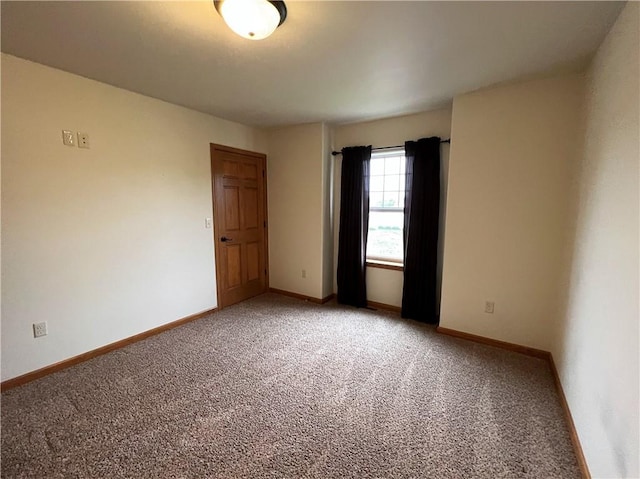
{"type": "Point", "coordinates": [336, 153]}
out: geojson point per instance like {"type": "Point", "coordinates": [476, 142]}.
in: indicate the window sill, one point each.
{"type": "Point", "coordinates": [374, 263]}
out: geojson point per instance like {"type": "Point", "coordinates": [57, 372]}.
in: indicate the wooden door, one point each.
{"type": "Point", "coordinates": [240, 223]}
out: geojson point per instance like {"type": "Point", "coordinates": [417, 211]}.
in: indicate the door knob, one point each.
{"type": "Point", "coordinates": [224, 239]}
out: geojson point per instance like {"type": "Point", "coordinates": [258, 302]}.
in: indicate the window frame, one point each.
{"type": "Point", "coordinates": [380, 261]}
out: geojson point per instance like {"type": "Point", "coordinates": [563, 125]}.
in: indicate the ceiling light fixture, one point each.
{"type": "Point", "coordinates": [252, 19]}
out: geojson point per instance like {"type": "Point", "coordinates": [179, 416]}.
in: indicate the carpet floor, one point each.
{"type": "Point", "coordinates": [281, 388]}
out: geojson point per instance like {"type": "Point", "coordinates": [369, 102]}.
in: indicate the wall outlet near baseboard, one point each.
{"type": "Point", "coordinates": [304, 273]}
{"type": "Point", "coordinates": [40, 329]}
{"type": "Point", "coordinates": [488, 307]}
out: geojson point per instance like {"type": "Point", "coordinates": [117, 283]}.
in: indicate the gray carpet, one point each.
{"type": "Point", "coordinates": [280, 388]}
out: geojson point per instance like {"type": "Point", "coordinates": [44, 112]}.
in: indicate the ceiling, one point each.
{"type": "Point", "coordinates": [330, 61]}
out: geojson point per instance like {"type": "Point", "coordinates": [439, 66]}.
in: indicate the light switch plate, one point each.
{"type": "Point", "coordinates": [40, 329]}
{"type": "Point", "coordinates": [68, 138]}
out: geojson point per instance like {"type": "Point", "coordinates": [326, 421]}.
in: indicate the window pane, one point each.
{"type": "Point", "coordinates": [387, 183]}
{"type": "Point", "coordinates": [392, 183]}
{"type": "Point", "coordinates": [391, 199]}
{"type": "Point", "coordinates": [377, 166]}
{"type": "Point", "coordinates": [376, 183]}
{"type": "Point", "coordinates": [385, 235]}
{"type": "Point", "coordinates": [392, 165]}
{"type": "Point", "coordinates": [376, 200]}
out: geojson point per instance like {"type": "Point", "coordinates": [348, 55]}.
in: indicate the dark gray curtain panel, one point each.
{"type": "Point", "coordinates": [421, 218]}
{"type": "Point", "coordinates": [354, 225]}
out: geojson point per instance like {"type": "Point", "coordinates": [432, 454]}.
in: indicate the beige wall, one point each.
{"type": "Point", "coordinates": [596, 346]}
{"type": "Point", "coordinates": [327, 212]}
{"type": "Point", "coordinates": [385, 286]}
{"type": "Point", "coordinates": [513, 153]}
{"type": "Point", "coordinates": [107, 242]}
{"type": "Point", "coordinates": [295, 183]}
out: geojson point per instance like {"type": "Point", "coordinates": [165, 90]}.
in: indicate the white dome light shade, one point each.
{"type": "Point", "coordinates": [252, 19]}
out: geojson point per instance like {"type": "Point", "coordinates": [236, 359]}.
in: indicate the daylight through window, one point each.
{"type": "Point", "coordinates": [386, 206]}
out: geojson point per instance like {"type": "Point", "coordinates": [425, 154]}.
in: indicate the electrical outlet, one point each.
{"type": "Point", "coordinates": [304, 273]}
{"type": "Point", "coordinates": [488, 307]}
{"type": "Point", "coordinates": [40, 329]}
{"type": "Point", "coordinates": [83, 140]}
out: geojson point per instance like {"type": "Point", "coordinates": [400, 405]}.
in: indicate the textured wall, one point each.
{"type": "Point", "coordinates": [512, 156]}
{"type": "Point", "coordinates": [327, 212]}
{"type": "Point", "coordinates": [596, 346]}
{"type": "Point", "coordinates": [295, 170]}
{"type": "Point", "coordinates": [107, 242]}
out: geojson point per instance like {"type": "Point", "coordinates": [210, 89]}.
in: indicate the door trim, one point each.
{"type": "Point", "coordinates": [213, 147]}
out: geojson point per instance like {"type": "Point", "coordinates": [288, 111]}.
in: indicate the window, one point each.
{"type": "Point", "coordinates": [386, 206]}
